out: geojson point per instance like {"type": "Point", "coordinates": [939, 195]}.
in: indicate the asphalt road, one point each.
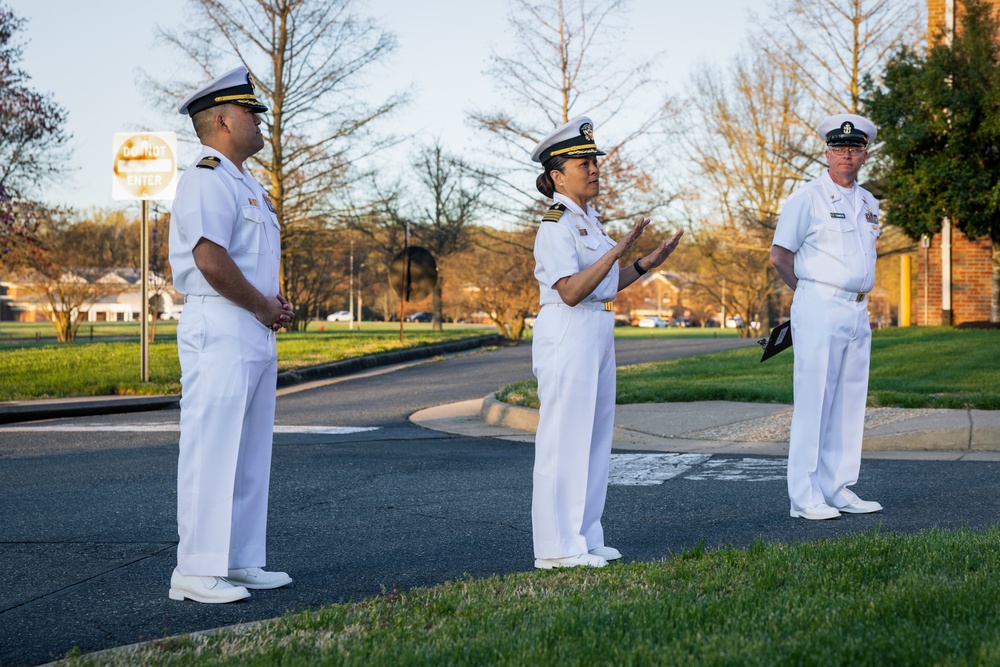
{"type": "Point", "coordinates": [87, 514]}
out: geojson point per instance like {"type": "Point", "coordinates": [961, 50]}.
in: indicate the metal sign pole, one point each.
{"type": "Point", "coordinates": [350, 289]}
{"type": "Point", "coordinates": [144, 277]}
{"type": "Point", "coordinates": [145, 167]}
{"type": "Point", "coordinates": [405, 292]}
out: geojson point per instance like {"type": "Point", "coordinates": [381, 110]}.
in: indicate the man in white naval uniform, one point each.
{"type": "Point", "coordinates": [824, 249]}
{"type": "Point", "coordinates": [224, 253]}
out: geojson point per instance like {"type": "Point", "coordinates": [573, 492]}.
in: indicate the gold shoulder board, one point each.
{"type": "Point", "coordinates": [210, 162]}
{"type": "Point", "coordinates": [554, 213]}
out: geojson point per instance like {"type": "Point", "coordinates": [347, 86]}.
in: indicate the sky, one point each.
{"type": "Point", "coordinates": [89, 55]}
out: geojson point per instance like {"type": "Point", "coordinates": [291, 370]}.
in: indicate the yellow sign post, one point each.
{"type": "Point", "coordinates": [145, 167]}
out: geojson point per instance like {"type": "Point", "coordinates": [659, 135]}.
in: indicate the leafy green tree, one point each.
{"type": "Point", "coordinates": [939, 116]}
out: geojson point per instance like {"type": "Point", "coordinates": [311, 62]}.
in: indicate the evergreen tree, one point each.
{"type": "Point", "coordinates": [939, 117]}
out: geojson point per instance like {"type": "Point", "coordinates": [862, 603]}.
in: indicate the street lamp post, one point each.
{"type": "Point", "coordinates": [350, 288]}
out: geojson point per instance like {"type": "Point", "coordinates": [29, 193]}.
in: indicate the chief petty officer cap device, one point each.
{"type": "Point", "coordinates": [847, 129]}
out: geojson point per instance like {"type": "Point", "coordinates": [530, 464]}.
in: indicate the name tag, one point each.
{"type": "Point", "coordinates": [838, 215]}
{"type": "Point", "coordinates": [253, 202]}
{"type": "Point", "coordinates": [583, 232]}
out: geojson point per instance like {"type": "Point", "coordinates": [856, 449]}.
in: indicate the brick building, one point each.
{"type": "Point", "coordinates": [953, 273]}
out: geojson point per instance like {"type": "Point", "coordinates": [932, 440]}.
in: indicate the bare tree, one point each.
{"type": "Point", "coordinates": [827, 46]}
{"type": "Point", "coordinates": [745, 142]}
{"type": "Point", "coordinates": [33, 146]}
{"type": "Point", "coordinates": [67, 277]}
{"type": "Point", "coordinates": [565, 63]}
{"type": "Point", "coordinates": [33, 141]}
{"type": "Point", "coordinates": [749, 154]}
{"type": "Point", "coordinates": [310, 59]}
{"type": "Point", "coordinates": [496, 272]}
{"type": "Point", "coordinates": [451, 204]}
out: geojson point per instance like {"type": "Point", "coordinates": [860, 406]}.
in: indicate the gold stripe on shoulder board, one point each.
{"type": "Point", "coordinates": [210, 162]}
{"type": "Point", "coordinates": [554, 213]}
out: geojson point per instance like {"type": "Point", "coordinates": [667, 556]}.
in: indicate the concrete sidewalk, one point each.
{"type": "Point", "coordinates": [725, 427]}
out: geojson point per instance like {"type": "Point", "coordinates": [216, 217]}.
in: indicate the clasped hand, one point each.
{"type": "Point", "coordinates": [284, 315]}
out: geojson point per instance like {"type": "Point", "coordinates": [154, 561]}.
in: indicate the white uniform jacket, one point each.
{"type": "Point", "coordinates": [832, 232]}
{"type": "Point", "coordinates": [569, 245]}
{"type": "Point", "coordinates": [229, 207]}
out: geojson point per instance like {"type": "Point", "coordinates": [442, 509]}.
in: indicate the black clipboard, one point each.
{"type": "Point", "coordinates": [780, 339]}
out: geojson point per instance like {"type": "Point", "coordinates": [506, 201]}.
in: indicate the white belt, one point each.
{"type": "Point", "coordinates": [836, 292]}
{"type": "Point", "coordinates": [207, 298]}
{"type": "Point", "coordinates": [587, 305]}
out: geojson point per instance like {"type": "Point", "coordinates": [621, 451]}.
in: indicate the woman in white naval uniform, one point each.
{"type": "Point", "coordinates": [573, 354]}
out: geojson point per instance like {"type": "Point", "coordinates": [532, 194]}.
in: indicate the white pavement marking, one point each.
{"type": "Point", "coordinates": [168, 428]}
{"type": "Point", "coordinates": [650, 469]}
{"type": "Point", "coordinates": [654, 469]}
{"type": "Point", "coordinates": [741, 470]}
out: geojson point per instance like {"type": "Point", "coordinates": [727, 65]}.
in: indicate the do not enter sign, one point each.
{"type": "Point", "coordinates": [145, 165]}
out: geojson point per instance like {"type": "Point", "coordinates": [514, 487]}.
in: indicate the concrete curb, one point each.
{"type": "Point", "coordinates": [21, 411]}
{"type": "Point", "coordinates": [958, 431]}
{"type": "Point", "coordinates": [498, 413]}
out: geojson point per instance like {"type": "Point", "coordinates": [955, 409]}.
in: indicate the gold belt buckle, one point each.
{"type": "Point", "coordinates": [607, 305]}
{"type": "Point", "coordinates": [860, 297]}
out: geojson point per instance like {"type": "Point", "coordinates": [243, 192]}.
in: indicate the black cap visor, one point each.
{"type": "Point", "coordinates": [239, 95]}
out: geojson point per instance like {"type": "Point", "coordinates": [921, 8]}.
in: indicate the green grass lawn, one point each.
{"type": "Point", "coordinates": [112, 367]}
{"type": "Point", "coordinates": [868, 599]}
{"type": "Point", "coordinates": [939, 367]}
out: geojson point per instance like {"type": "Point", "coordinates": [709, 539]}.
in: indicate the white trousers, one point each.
{"type": "Point", "coordinates": [573, 357]}
{"type": "Point", "coordinates": [228, 379]}
{"type": "Point", "coordinates": [832, 339]}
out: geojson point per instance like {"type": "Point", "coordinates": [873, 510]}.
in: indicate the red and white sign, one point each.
{"type": "Point", "coordinates": [145, 165]}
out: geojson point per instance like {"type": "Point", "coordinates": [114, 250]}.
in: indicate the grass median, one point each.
{"type": "Point", "coordinates": [917, 367]}
{"type": "Point", "coordinates": [866, 599]}
{"type": "Point", "coordinates": [109, 366]}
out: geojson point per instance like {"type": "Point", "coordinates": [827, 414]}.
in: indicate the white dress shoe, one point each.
{"type": "Point", "coordinates": [580, 560]}
{"type": "Point", "coordinates": [211, 590]}
{"type": "Point", "coordinates": [258, 578]}
{"type": "Point", "coordinates": [861, 507]}
{"type": "Point", "coordinates": [606, 552]}
{"type": "Point", "coordinates": [817, 512]}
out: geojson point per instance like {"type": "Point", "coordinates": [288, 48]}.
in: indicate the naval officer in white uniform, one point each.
{"type": "Point", "coordinates": [572, 351]}
{"type": "Point", "coordinates": [824, 249]}
{"type": "Point", "coordinates": [224, 253]}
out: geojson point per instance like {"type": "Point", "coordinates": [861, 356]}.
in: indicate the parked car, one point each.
{"type": "Point", "coordinates": [652, 322]}
{"type": "Point", "coordinates": [419, 316]}
{"type": "Point", "coordinates": [339, 316]}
